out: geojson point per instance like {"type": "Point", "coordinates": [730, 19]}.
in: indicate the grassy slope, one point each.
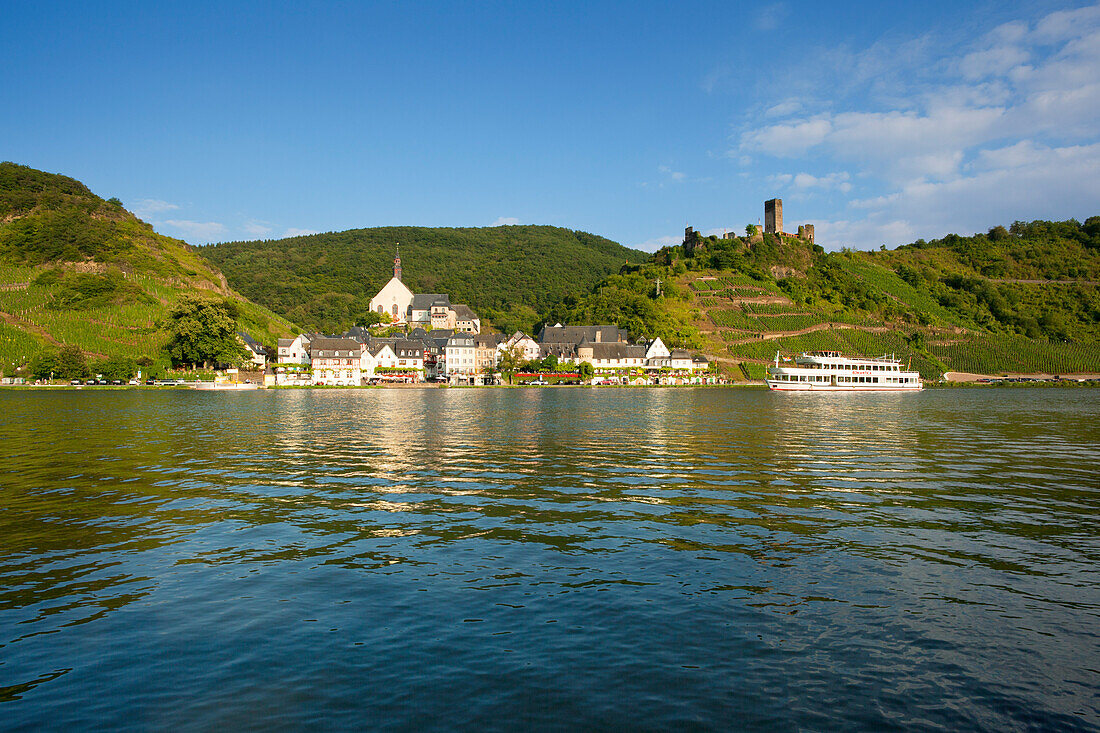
{"type": "Point", "coordinates": [509, 274]}
{"type": "Point", "coordinates": [80, 270]}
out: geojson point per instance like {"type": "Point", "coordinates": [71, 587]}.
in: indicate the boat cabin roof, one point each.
{"type": "Point", "coordinates": [819, 357]}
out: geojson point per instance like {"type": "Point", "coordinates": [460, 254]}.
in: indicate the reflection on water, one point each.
{"type": "Point", "coordinates": [550, 558]}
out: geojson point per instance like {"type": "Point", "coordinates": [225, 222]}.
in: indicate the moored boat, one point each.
{"type": "Point", "coordinates": [222, 386]}
{"type": "Point", "coordinates": [831, 371]}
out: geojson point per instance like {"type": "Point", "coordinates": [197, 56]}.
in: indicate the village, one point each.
{"type": "Point", "coordinates": [442, 342]}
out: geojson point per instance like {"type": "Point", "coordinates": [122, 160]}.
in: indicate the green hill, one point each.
{"type": "Point", "coordinates": [1023, 299]}
{"type": "Point", "coordinates": [80, 270]}
{"type": "Point", "coordinates": [510, 275]}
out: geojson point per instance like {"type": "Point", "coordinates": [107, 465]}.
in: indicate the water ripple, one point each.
{"type": "Point", "coordinates": [614, 558]}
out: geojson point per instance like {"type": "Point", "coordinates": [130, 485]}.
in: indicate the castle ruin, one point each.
{"type": "Point", "coordinates": [773, 216]}
{"type": "Point", "coordinates": [773, 224]}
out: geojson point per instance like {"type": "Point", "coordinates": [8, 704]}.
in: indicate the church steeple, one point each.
{"type": "Point", "coordinates": [397, 263]}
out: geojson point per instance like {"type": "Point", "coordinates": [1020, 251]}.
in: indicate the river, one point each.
{"type": "Point", "coordinates": [550, 559]}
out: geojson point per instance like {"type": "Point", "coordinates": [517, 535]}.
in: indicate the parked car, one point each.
{"type": "Point", "coordinates": [134, 382]}
{"type": "Point", "coordinates": [150, 382]}
{"type": "Point", "coordinates": [116, 381]}
{"type": "Point", "coordinates": [75, 382]}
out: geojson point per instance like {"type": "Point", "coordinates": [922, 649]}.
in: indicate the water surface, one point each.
{"type": "Point", "coordinates": [550, 559]}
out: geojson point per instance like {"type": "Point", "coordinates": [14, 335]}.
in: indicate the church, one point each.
{"type": "Point", "coordinates": [435, 309]}
{"type": "Point", "coordinates": [394, 298]}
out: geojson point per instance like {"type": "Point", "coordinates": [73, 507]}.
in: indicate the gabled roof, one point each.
{"type": "Point", "coordinates": [464, 312]}
{"type": "Point", "coordinates": [615, 351]}
{"type": "Point", "coordinates": [329, 347]}
{"type": "Point", "coordinates": [577, 334]}
{"type": "Point", "coordinates": [359, 333]}
{"type": "Point", "coordinates": [424, 301]}
{"type": "Point", "coordinates": [461, 339]}
{"type": "Point", "coordinates": [562, 351]}
{"type": "Point", "coordinates": [488, 340]}
{"type": "Point", "coordinates": [254, 346]}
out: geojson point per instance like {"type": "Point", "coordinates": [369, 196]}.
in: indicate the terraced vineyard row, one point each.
{"type": "Point", "coordinates": [128, 329]}
{"type": "Point", "coordinates": [16, 347]}
{"type": "Point", "coordinates": [999, 354]}
{"type": "Point", "coordinates": [776, 323]}
{"type": "Point", "coordinates": [744, 292]}
{"type": "Point", "coordinates": [767, 309]}
{"type": "Point", "coordinates": [888, 282]}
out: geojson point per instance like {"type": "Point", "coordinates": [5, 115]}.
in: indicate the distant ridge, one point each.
{"type": "Point", "coordinates": [509, 274]}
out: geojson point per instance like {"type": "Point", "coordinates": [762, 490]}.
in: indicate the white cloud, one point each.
{"type": "Point", "coordinates": [1065, 24]}
{"type": "Point", "coordinates": [145, 208]}
{"type": "Point", "coordinates": [204, 231]}
{"type": "Point", "coordinates": [1000, 187]}
{"type": "Point", "coordinates": [770, 17]}
{"type": "Point", "coordinates": [838, 181]}
{"type": "Point", "coordinates": [787, 139]}
{"type": "Point", "coordinates": [674, 176]}
{"type": "Point", "coordinates": [1006, 132]}
{"type": "Point", "coordinates": [867, 233]}
{"type": "Point", "coordinates": [783, 109]}
{"type": "Point", "coordinates": [505, 221]}
{"type": "Point", "coordinates": [257, 228]}
{"type": "Point", "coordinates": [295, 232]}
{"type": "Point", "coordinates": [1020, 154]}
{"type": "Point", "coordinates": [996, 60]}
{"type": "Point", "coordinates": [805, 182]}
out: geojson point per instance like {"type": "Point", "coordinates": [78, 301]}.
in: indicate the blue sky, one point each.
{"type": "Point", "coordinates": [880, 123]}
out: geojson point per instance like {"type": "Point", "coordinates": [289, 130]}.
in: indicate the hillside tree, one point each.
{"type": "Point", "coordinates": [203, 331]}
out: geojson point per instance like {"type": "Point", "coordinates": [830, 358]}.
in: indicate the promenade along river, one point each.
{"type": "Point", "coordinates": [550, 559]}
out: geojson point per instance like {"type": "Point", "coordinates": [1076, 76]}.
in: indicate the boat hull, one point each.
{"type": "Point", "coordinates": [810, 387]}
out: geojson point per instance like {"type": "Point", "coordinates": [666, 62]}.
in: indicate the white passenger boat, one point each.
{"type": "Point", "coordinates": [829, 371]}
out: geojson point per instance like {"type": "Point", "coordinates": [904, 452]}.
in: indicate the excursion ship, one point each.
{"type": "Point", "coordinates": [829, 371]}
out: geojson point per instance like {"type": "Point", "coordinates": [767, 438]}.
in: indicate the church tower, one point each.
{"type": "Point", "coordinates": [397, 263]}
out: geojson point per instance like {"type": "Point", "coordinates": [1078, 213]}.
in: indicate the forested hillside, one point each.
{"type": "Point", "coordinates": [510, 274]}
{"type": "Point", "coordinates": [79, 270]}
{"type": "Point", "coordinates": [1021, 299]}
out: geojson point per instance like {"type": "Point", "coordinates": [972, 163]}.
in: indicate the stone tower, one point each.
{"type": "Point", "coordinates": [773, 216]}
{"type": "Point", "coordinates": [397, 263]}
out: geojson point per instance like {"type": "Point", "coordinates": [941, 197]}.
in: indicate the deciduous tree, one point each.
{"type": "Point", "coordinates": [203, 330]}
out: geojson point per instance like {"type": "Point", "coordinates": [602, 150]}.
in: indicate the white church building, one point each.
{"type": "Point", "coordinates": [403, 306]}
{"type": "Point", "coordinates": [394, 298]}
